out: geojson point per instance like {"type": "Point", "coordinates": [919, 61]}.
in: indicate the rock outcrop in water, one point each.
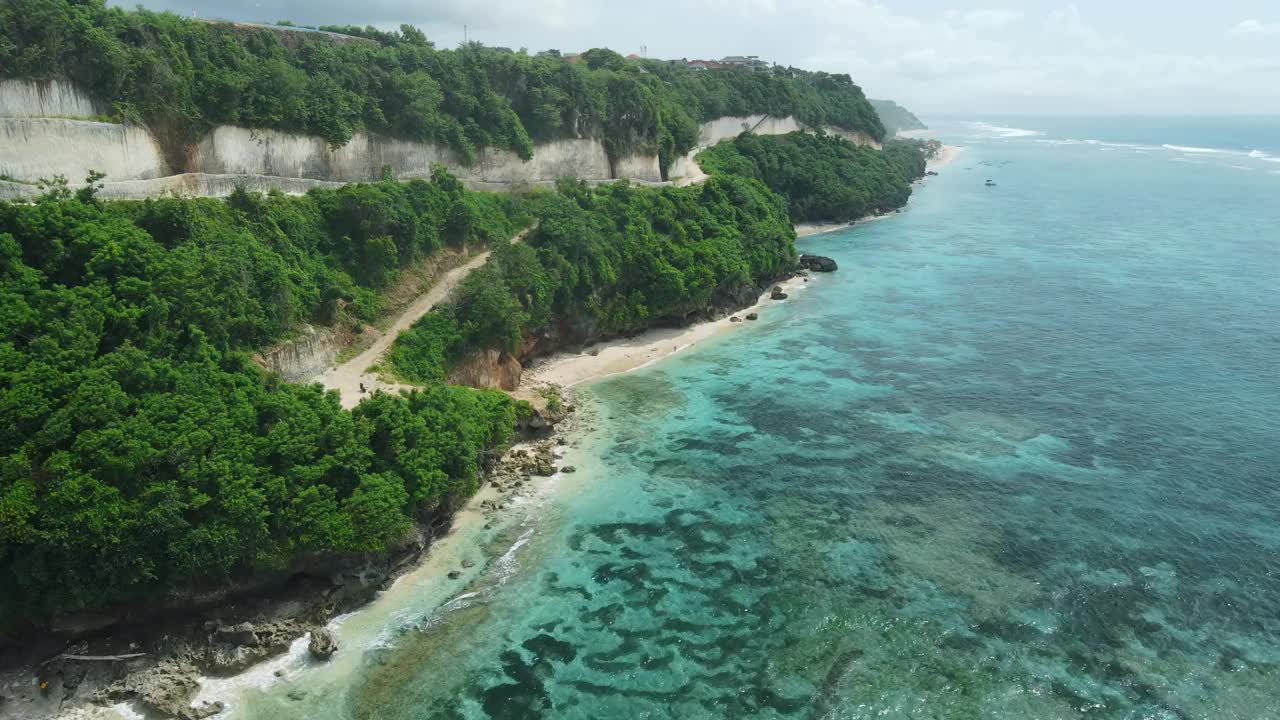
{"type": "Point", "coordinates": [232, 648]}
{"type": "Point", "coordinates": [166, 689]}
{"type": "Point", "coordinates": [818, 263]}
{"type": "Point", "coordinates": [322, 644]}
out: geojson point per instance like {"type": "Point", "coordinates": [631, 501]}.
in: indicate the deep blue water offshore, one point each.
{"type": "Point", "coordinates": [1018, 458]}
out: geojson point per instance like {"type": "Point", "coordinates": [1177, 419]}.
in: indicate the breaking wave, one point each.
{"type": "Point", "coordinates": [1004, 132]}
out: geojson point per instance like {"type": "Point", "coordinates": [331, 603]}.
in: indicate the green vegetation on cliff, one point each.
{"type": "Point", "coordinates": [607, 261]}
{"type": "Point", "coordinates": [184, 76]}
{"type": "Point", "coordinates": [141, 449]}
{"type": "Point", "coordinates": [896, 118]}
{"type": "Point", "coordinates": [823, 177]}
{"type": "Point", "coordinates": [143, 452]}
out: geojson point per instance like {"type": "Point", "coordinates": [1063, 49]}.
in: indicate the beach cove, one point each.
{"type": "Point", "coordinates": [964, 449]}
{"type": "Point", "coordinates": [976, 471]}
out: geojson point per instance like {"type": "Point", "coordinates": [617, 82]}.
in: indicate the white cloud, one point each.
{"type": "Point", "coordinates": [981, 55]}
{"type": "Point", "coordinates": [1253, 27]}
{"type": "Point", "coordinates": [991, 18]}
{"type": "Point", "coordinates": [1056, 60]}
{"type": "Point", "coordinates": [1068, 25]}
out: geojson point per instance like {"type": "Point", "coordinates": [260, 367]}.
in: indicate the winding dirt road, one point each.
{"type": "Point", "coordinates": [348, 377]}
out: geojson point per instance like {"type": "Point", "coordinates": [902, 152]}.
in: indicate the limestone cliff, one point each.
{"type": "Point", "coordinates": [487, 369]}
{"type": "Point", "coordinates": [685, 169]}
{"type": "Point", "coordinates": [303, 357]}
{"type": "Point", "coordinates": [45, 98]}
{"type": "Point", "coordinates": [42, 135]}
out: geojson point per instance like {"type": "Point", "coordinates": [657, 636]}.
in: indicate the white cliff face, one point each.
{"type": "Point", "coordinates": [644, 168]}
{"type": "Point", "coordinates": [728, 128]}
{"type": "Point", "coordinates": [685, 169]}
{"type": "Point", "coordinates": [45, 98]}
{"type": "Point", "coordinates": [37, 140]}
{"type": "Point", "coordinates": [241, 151]}
{"type": "Point", "coordinates": [35, 148]}
{"type": "Point", "coordinates": [302, 357]}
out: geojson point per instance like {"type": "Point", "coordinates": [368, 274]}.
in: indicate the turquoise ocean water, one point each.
{"type": "Point", "coordinates": [1018, 458]}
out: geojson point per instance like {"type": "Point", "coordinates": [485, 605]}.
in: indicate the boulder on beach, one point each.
{"type": "Point", "coordinates": [232, 648]}
{"type": "Point", "coordinates": [777, 293]}
{"type": "Point", "coordinates": [753, 316]}
{"type": "Point", "coordinates": [817, 263]}
{"type": "Point", "coordinates": [239, 634]}
{"type": "Point", "coordinates": [734, 319]}
{"type": "Point", "coordinates": [165, 689]}
{"type": "Point", "coordinates": [322, 645]}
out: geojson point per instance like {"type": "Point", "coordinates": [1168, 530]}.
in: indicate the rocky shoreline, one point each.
{"type": "Point", "coordinates": [158, 663]}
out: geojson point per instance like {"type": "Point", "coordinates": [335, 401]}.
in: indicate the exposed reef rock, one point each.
{"type": "Point", "coordinates": [232, 648]}
{"type": "Point", "coordinates": [322, 644]}
{"type": "Point", "coordinates": [166, 689]}
{"type": "Point", "coordinates": [817, 263]}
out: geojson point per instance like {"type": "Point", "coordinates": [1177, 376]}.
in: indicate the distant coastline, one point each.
{"type": "Point", "coordinates": [945, 156]}
{"type": "Point", "coordinates": [620, 356]}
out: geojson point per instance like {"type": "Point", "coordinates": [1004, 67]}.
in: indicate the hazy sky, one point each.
{"type": "Point", "coordinates": [934, 56]}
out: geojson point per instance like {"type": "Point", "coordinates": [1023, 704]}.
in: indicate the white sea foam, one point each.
{"type": "Point", "coordinates": [1004, 132]}
{"type": "Point", "coordinates": [1143, 149]}
{"type": "Point", "coordinates": [1260, 155]}
{"type": "Point", "coordinates": [1192, 149]}
{"type": "Point", "coordinates": [507, 565]}
{"type": "Point", "coordinates": [1128, 146]}
{"type": "Point", "coordinates": [1252, 154]}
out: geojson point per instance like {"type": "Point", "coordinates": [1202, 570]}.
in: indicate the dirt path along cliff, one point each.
{"type": "Point", "coordinates": [347, 377]}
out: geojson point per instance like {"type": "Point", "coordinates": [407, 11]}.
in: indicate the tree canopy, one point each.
{"type": "Point", "coordinates": [141, 449]}
{"type": "Point", "coordinates": [896, 118]}
{"type": "Point", "coordinates": [823, 177]}
{"type": "Point", "coordinates": [184, 76]}
{"type": "Point", "coordinates": [604, 261]}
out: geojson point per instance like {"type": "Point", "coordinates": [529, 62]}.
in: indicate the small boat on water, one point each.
{"type": "Point", "coordinates": [991, 183]}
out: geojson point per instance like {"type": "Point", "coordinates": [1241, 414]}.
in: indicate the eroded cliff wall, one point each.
{"type": "Point", "coordinates": [45, 98]}
{"type": "Point", "coordinates": [42, 134]}
{"type": "Point", "coordinates": [685, 169]}
{"type": "Point", "coordinates": [303, 357]}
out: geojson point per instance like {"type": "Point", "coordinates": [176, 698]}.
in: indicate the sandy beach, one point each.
{"type": "Point", "coordinates": [818, 228]}
{"type": "Point", "coordinates": [945, 157]}
{"type": "Point", "coordinates": [619, 356]}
